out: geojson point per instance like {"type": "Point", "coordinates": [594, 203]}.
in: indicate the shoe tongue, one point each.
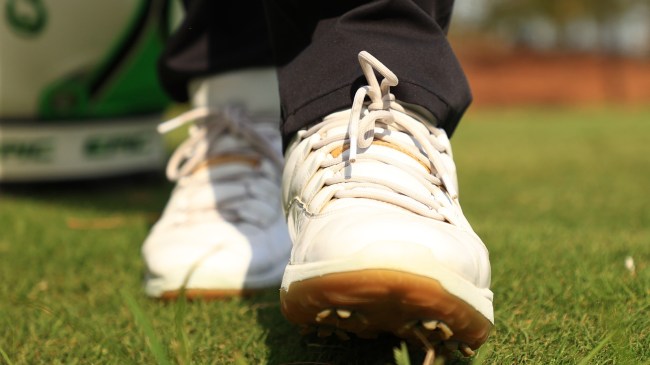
{"type": "Point", "coordinates": [403, 156]}
{"type": "Point", "coordinates": [400, 171]}
{"type": "Point", "coordinates": [391, 169]}
{"type": "Point", "coordinates": [228, 144]}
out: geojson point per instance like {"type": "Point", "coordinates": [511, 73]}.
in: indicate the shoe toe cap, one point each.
{"type": "Point", "coordinates": [392, 232]}
{"type": "Point", "coordinates": [212, 255]}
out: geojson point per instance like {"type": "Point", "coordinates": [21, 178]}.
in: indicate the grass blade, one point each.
{"type": "Point", "coordinates": [143, 322]}
{"type": "Point", "coordinates": [402, 355]}
{"type": "Point", "coordinates": [5, 357]}
{"type": "Point", "coordinates": [184, 352]}
{"type": "Point", "coordinates": [595, 350]}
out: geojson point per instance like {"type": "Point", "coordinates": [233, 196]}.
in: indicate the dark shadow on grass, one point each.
{"type": "Point", "coordinates": [133, 193]}
{"type": "Point", "coordinates": [287, 346]}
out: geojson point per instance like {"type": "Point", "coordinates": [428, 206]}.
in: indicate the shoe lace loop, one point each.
{"type": "Point", "coordinates": [362, 129]}
{"type": "Point", "coordinates": [209, 126]}
{"type": "Point", "coordinates": [377, 119]}
{"type": "Point", "coordinates": [229, 135]}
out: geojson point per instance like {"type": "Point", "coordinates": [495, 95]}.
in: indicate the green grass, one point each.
{"type": "Point", "coordinates": [559, 196]}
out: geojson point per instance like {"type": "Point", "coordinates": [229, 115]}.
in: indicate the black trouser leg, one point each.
{"type": "Point", "coordinates": [215, 36]}
{"type": "Point", "coordinates": [316, 43]}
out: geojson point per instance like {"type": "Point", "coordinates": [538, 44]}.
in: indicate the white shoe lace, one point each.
{"type": "Point", "coordinates": [230, 132]}
{"type": "Point", "coordinates": [383, 119]}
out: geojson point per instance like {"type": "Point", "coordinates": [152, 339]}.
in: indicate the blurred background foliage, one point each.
{"type": "Point", "coordinates": [609, 26]}
{"type": "Point", "coordinates": [554, 52]}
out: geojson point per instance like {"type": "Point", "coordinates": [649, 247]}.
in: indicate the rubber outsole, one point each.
{"type": "Point", "coordinates": [369, 302]}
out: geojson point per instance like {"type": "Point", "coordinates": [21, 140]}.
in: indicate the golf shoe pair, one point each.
{"type": "Point", "coordinates": [358, 219]}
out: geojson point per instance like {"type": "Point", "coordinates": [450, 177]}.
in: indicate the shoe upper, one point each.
{"type": "Point", "coordinates": [375, 176]}
{"type": "Point", "coordinates": [223, 226]}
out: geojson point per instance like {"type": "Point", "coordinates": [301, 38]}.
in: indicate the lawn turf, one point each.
{"type": "Point", "coordinates": [560, 196]}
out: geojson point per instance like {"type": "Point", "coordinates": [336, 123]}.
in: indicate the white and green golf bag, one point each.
{"type": "Point", "coordinates": [79, 94]}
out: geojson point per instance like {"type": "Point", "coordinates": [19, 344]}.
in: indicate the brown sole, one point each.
{"type": "Point", "coordinates": [370, 302]}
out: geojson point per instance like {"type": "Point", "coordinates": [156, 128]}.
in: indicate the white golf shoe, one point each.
{"type": "Point", "coordinates": [223, 232]}
{"type": "Point", "coordinates": [380, 243]}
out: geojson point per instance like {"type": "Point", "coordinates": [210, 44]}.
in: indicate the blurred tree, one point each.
{"type": "Point", "coordinates": [515, 17]}
{"type": "Point", "coordinates": [521, 20]}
